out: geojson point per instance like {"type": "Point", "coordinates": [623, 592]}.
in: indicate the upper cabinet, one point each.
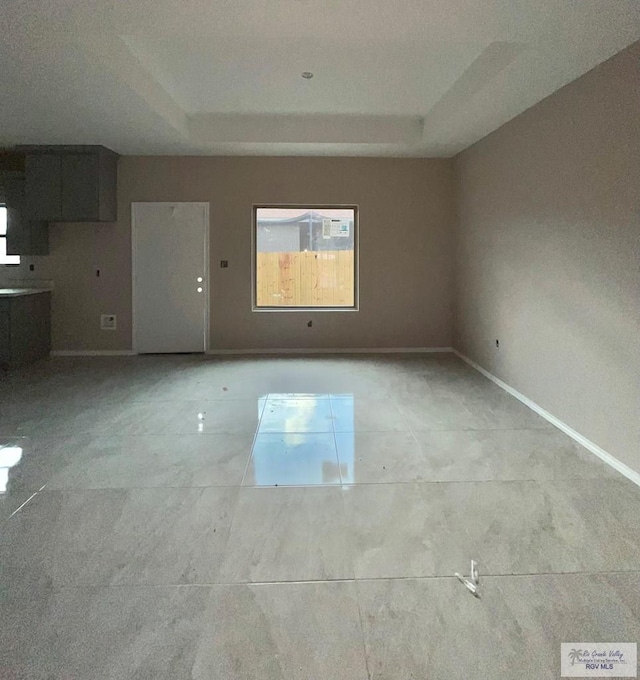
{"type": "Point", "coordinates": [24, 237]}
{"type": "Point", "coordinates": [70, 184]}
{"type": "Point", "coordinates": [43, 186]}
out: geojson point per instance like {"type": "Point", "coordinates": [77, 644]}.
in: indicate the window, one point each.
{"type": "Point", "coordinates": [305, 257]}
{"type": "Point", "coordinates": [4, 258]}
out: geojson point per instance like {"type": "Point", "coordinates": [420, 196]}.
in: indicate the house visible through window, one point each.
{"type": "Point", "coordinates": [305, 257]}
{"type": "Point", "coordinates": [4, 258]}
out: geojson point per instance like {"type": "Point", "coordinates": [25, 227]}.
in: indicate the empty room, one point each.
{"type": "Point", "coordinates": [319, 340]}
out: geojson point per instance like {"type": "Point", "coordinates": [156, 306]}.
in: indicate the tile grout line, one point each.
{"type": "Point", "coordinates": [253, 443]}
{"type": "Point", "coordinates": [248, 432]}
{"type": "Point", "coordinates": [362, 633]}
{"type": "Point", "coordinates": [335, 443]}
{"type": "Point", "coordinates": [342, 485]}
{"type": "Point", "coordinates": [371, 579]}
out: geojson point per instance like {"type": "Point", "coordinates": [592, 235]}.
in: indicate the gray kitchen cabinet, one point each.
{"type": "Point", "coordinates": [43, 187]}
{"type": "Point", "coordinates": [71, 183]}
{"type": "Point", "coordinates": [25, 327]}
{"type": "Point", "coordinates": [24, 236]}
{"type": "Point", "coordinates": [80, 186]}
{"type": "Point", "coordinates": [32, 239]}
{"type": "Point", "coordinates": [89, 186]}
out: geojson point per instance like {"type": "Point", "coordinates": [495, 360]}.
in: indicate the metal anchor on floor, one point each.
{"type": "Point", "coordinates": [472, 584]}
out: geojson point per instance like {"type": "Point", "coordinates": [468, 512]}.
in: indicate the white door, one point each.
{"type": "Point", "coordinates": [170, 243]}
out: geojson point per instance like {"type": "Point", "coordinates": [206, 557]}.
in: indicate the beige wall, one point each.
{"type": "Point", "coordinates": [406, 208]}
{"type": "Point", "coordinates": [548, 254]}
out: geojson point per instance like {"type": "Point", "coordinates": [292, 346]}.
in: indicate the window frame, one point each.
{"type": "Point", "coordinates": [356, 256]}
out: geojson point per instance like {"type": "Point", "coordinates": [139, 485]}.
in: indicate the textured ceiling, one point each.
{"type": "Point", "coordinates": [409, 78]}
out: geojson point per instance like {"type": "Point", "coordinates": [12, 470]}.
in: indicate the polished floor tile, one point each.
{"type": "Point", "coordinates": [459, 455]}
{"type": "Point", "coordinates": [240, 416]}
{"type": "Point", "coordinates": [400, 530]}
{"type": "Point", "coordinates": [56, 419]}
{"type": "Point", "coordinates": [429, 412]}
{"type": "Point", "coordinates": [262, 632]}
{"type": "Point", "coordinates": [486, 455]}
{"type": "Point", "coordinates": [380, 457]}
{"type": "Point", "coordinates": [115, 537]}
{"type": "Point", "coordinates": [103, 633]}
{"type": "Point", "coordinates": [288, 534]}
{"type": "Point", "coordinates": [283, 632]}
{"type": "Point", "coordinates": [500, 411]}
{"type": "Point", "coordinates": [524, 527]}
{"type": "Point", "coordinates": [293, 459]}
{"type": "Point", "coordinates": [366, 415]}
{"type": "Point", "coordinates": [85, 462]}
{"type": "Point", "coordinates": [434, 628]}
{"type": "Point", "coordinates": [274, 517]}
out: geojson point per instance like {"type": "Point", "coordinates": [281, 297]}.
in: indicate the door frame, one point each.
{"type": "Point", "coordinates": [205, 276]}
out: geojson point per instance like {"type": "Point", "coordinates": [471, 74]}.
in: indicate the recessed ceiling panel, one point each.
{"type": "Point", "coordinates": [141, 76]}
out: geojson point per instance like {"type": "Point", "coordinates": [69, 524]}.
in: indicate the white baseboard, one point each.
{"type": "Point", "coordinates": [93, 353]}
{"type": "Point", "coordinates": [618, 465]}
{"type": "Point", "coordinates": [348, 350]}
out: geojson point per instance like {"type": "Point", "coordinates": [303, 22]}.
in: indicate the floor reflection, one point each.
{"type": "Point", "coordinates": [346, 449]}
{"type": "Point", "coordinates": [9, 456]}
{"type": "Point", "coordinates": [296, 415]}
{"type": "Point", "coordinates": [294, 458]}
{"type": "Point", "coordinates": [296, 441]}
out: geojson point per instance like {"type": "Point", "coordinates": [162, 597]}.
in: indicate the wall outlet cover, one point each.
{"type": "Point", "coordinates": [108, 322]}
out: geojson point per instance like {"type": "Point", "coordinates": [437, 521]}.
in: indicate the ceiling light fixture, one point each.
{"type": "Point", "coordinates": [307, 75]}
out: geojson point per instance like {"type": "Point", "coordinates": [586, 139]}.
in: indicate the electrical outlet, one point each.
{"type": "Point", "coordinates": [108, 322]}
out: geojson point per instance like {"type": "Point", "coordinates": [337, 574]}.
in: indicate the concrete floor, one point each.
{"type": "Point", "coordinates": [299, 518]}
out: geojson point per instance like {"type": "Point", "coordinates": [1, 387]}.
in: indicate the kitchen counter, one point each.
{"type": "Point", "coordinates": [19, 292]}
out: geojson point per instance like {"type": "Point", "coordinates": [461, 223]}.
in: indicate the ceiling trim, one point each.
{"type": "Point", "coordinates": [305, 129]}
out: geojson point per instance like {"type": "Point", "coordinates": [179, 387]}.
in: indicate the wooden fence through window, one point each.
{"type": "Point", "coordinates": [323, 278]}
